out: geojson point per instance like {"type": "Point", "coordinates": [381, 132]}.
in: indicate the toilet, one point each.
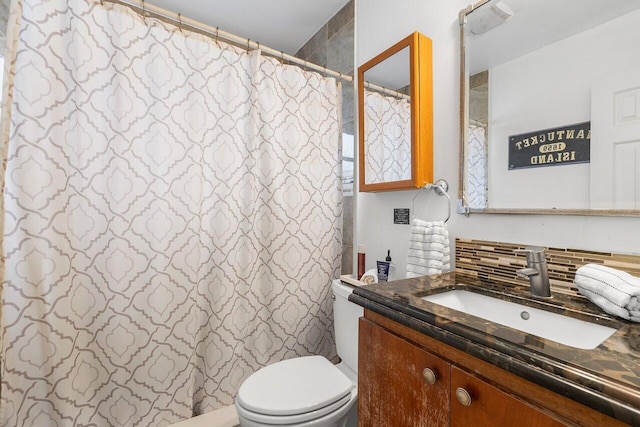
{"type": "Point", "coordinates": [308, 391]}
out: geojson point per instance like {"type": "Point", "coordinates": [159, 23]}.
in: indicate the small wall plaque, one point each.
{"type": "Point", "coordinates": [401, 216]}
{"type": "Point", "coordinates": [551, 147]}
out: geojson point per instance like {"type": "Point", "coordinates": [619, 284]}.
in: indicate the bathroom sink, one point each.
{"type": "Point", "coordinates": [552, 326]}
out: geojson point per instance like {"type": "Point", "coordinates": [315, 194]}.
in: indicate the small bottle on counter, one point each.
{"type": "Point", "coordinates": [361, 261]}
{"type": "Point", "coordinates": [383, 268]}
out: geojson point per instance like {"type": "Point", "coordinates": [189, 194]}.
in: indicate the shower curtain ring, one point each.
{"type": "Point", "coordinates": [248, 44]}
{"type": "Point", "coordinates": [180, 22]}
{"type": "Point", "coordinates": [258, 45]}
{"type": "Point", "coordinates": [217, 34]}
{"type": "Point", "coordinates": [144, 13]}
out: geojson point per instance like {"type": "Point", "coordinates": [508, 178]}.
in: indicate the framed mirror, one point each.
{"type": "Point", "coordinates": [550, 107]}
{"type": "Point", "coordinates": [395, 117]}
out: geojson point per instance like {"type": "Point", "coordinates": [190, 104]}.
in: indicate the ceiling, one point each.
{"type": "Point", "coordinates": [535, 24]}
{"type": "Point", "coordinates": [280, 24]}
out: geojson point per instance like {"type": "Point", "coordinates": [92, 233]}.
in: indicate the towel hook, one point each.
{"type": "Point", "coordinates": [441, 187]}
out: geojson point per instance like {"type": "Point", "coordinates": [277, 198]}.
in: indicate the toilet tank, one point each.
{"type": "Point", "coordinates": [345, 324]}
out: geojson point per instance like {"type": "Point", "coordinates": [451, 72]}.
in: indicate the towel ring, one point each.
{"type": "Point", "coordinates": [440, 187]}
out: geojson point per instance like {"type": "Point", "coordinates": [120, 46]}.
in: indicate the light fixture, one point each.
{"type": "Point", "coordinates": [487, 17]}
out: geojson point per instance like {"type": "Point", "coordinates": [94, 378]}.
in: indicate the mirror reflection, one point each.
{"type": "Point", "coordinates": [387, 120]}
{"type": "Point", "coordinates": [552, 103]}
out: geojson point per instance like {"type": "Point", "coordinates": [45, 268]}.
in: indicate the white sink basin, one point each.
{"type": "Point", "coordinates": [552, 326]}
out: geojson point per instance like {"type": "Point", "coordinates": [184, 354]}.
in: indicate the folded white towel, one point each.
{"type": "Point", "coordinates": [428, 249]}
{"type": "Point", "coordinates": [615, 291]}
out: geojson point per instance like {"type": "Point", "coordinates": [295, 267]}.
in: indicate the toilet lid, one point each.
{"type": "Point", "coordinates": [294, 386]}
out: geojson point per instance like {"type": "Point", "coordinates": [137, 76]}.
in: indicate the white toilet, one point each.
{"type": "Point", "coordinates": [309, 391]}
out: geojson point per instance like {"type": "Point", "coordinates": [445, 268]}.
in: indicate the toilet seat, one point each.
{"type": "Point", "coordinates": [293, 419]}
{"type": "Point", "coordinates": [294, 391]}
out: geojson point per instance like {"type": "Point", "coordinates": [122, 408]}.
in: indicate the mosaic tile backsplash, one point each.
{"type": "Point", "coordinates": [497, 261]}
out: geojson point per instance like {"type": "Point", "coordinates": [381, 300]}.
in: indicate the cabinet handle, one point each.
{"type": "Point", "coordinates": [463, 396]}
{"type": "Point", "coordinates": [429, 376]}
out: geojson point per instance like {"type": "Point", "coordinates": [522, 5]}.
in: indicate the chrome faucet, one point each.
{"type": "Point", "coordinates": [536, 271]}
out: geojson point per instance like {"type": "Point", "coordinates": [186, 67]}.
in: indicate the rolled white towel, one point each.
{"type": "Point", "coordinates": [369, 277]}
{"type": "Point", "coordinates": [615, 291]}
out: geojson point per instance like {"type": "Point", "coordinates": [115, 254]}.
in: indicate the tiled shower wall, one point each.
{"type": "Point", "coordinates": [332, 47]}
{"type": "Point", "coordinates": [4, 16]}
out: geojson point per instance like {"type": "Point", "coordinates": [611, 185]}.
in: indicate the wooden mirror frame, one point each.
{"type": "Point", "coordinates": [421, 82]}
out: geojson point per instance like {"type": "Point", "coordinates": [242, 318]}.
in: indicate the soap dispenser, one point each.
{"type": "Point", "coordinates": [392, 267]}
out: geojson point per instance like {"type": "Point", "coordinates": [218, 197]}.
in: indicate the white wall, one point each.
{"type": "Point", "coordinates": [379, 24]}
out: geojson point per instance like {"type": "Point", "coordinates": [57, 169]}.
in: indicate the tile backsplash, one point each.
{"type": "Point", "coordinates": [497, 261]}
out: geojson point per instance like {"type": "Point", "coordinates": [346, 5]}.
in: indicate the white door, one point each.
{"type": "Point", "coordinates": [615, 142]}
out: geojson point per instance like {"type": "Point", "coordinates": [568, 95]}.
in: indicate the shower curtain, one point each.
{"type": "Point", "coordinates": [387, 131]}
{"type": "Point", "coordinates": [477, 166]}
{"type": "Point", "coordinates": [171, 220]}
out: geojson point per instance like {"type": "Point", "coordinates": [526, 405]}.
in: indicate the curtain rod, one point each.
{"type": "Point", "coordinates": [386, 91]}
{"type": "Point", "coordinates": [477, 123]}
{"type": "Point", "coordinates": [146, 9]}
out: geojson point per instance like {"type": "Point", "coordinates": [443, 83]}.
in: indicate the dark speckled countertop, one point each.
{"type": "Point", "coordinates": [606, 378]}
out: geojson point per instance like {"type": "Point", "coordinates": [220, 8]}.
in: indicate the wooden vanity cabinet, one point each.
{"type": "Point", "coordinates": [490, 406]}
{"type": "Point", "coordinates": [393, 389]}
{"type": "Point", "coordinates": [396, 391]}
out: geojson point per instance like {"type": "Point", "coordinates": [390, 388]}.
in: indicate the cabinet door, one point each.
{"type": "Point", "coordinates": [393, 389]}
{"type": "Point", "coordinates": [490, 406]}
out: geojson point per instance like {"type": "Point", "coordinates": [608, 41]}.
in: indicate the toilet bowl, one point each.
{"type": "Point", "coordinates": [308, 391]}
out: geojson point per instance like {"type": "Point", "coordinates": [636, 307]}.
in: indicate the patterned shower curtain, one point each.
{"type": "Point", "coordinates": [477, 166]}
{"type": "Point", "coordinates": [387, 131]}
{"type": "Point", "coordinates": [171, 220]}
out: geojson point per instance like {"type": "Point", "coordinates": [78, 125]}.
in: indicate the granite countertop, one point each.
{"type": "Point", "coordinates": [606, 378]}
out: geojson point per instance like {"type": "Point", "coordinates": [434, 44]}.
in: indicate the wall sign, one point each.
{"type": "Point", "coordinates": [551, 147]}
{"type": "Point", "coordinates": [401, 216]}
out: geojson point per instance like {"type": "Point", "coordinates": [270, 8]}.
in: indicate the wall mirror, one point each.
{"type": "Point", "coordinates": [395, 117]}
{"type": "Point", "coordinates": [550, 107]}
